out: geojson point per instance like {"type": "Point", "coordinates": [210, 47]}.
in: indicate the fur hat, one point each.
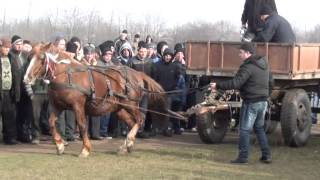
{"type": "Point", "coordinates": [168, 52]}
{"type": "Point", "coordinates": [136, 36]}
{"type": "Point", "coordinates": [178, 46]}
{"type": "Point", "coordinates": [248, 47]}
{"type": "Point", "coordinates": [108, 43]}
{"type": "Point", "coordinates": [88, 49]}
{"type": "Point", "coordinates": [5, 43]}
{"type": "Point", "coordinates": [104, 49]}
{"type": "Point", "coordinates": [15, 39]}
{"type": "Point", "coordinates": [151, 45]}
{"type": "Point", "coordinates": [75, 39]}
{"type": "Point", "coordinates": [178, 50]}
{"type": "Point", "coordinates": [142, 44]}
{"type": "Point", "coordinates": [160, 45]}
{"type": "Point", "coordinates": [71, 47]}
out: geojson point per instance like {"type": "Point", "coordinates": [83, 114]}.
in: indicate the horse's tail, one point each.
{"type": "Point", "coordinates": [158, 102]}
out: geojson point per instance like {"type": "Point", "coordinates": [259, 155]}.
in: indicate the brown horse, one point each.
{"type": "Point", "coordinates": [94, 91]}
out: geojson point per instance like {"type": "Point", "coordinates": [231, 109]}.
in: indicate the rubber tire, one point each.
{"type": "Point", "coordinates": [296, 106]}
{"type": "Point", "coordinates": [213, 127]}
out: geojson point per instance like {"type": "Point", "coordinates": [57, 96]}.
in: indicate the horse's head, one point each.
{"type": "Point", "coordinates": [42, 58]}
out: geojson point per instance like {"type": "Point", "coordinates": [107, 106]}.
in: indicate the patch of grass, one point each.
{"type": "Point", "coordinates": [165, 162]}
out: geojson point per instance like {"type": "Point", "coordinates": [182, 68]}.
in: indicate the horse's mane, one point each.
{"type": "Point", "coordinates": [62, 55]}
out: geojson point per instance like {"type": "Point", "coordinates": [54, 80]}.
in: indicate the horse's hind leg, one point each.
{"type": "Point", "coordinates": [131, 136]}
{"type": "Point", "coordinates": [81, 119]}
{"type": "Point", "coordinates": [56, 136]}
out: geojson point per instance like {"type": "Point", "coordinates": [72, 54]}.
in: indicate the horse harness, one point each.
{"type": "Point", "coordinates": [91, 91]}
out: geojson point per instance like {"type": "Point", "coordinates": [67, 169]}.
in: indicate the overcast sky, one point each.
{"type": "Point", "coordinates": [303, 14]}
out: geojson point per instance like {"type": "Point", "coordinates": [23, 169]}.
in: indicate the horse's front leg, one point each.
{"type": "Point", "coordinates": [55, 134]}
{"type": "Point", "coordinates": [81, 120]}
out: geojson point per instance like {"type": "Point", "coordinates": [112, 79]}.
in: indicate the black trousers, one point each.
{"type": "Point", "coordinates": [40, 104]}
{"type": "Point", "coordinates": [94, 126]}
{"type": "Point", "coordinates": [8, 113]}
{"type": "Point", "coordinates": [24, 118]}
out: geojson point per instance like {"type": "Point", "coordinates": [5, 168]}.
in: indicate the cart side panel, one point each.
{"type": "Point", "coordinates": [307, 59]}
{"type": "Point", "coordinates": [287, 61]}
{"type": "Point", "coordinates": [279, 57]}
{"type": "Point", "coordinates": [230, 57]}
{"type": "Point", "coordinates": [197, 56]}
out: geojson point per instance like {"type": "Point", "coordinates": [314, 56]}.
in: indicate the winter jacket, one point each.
{"type": "Point", "coordinates": [141, 65]}
{"type": "Point", "coordinates": [253, 79]}
{"type": "Point", "coordinates": [125, 60]}
{"type": "Point", "coordinates": [19, 66]}
{"type": "Point", "coordinates": [166, 74]}
{"type": "Point", "coordinates": [251, 13]}
{"type": "Point", "coordinates": [276, 29]}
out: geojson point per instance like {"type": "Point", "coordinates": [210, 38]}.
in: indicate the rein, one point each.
{"type": "Point", "coordinates": [144, 109]}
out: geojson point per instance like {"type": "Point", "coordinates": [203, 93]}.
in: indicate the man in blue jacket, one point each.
{"type": "Point", "coordinates": [253, 79]}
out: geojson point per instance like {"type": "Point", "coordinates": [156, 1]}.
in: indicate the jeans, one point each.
{"type": "Point", "coordinates": [252, 115]}
{"type": "Point", "coordinates": [104, 124]}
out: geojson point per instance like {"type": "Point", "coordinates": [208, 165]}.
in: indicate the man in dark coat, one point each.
{"type": "Point", "coordinates": [167, 74]}
{"type": "Point", "coordinates": [276, 28]}
{"type": "Point", "coordinates": [253, 79]}
{"type": "Point", "coordinates": [251, 14]}
{"type": "Point", "coordinates": [24, 117]}
{"type": "Point", "coordinates": [8, 85]}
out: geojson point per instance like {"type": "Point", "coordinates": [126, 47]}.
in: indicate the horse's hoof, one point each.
{"type": "Point", "coordinates": [60, 148]}
{"type": "Point", "coordinates": [123, 150]}
{"type": "Point", "coordinates": [84, 153]}
{"type": "Point", "coordinates": [130, 149]}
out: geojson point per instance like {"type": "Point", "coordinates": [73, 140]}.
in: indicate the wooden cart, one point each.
{"type": "Point", "coordinates": [295, 69]}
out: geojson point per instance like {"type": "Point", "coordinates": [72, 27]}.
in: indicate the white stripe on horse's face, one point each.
{"type": "Point", "coordinates": [26, 78]}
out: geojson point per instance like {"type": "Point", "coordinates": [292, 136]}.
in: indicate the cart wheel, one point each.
{"type": "Point", "coordinates": [212, 127]}
{"type": "Point", "coordinates": [296, 118]}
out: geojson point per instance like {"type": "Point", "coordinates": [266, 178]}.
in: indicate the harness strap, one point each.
{"type": "Point", "coordinates": [61, 86]}
{"type": "Point", "coordinates": [126, 78]}
{"type": "Point", "coordinates": [110, 92]}
{"type": "Point", "coordinates": [92, 87]}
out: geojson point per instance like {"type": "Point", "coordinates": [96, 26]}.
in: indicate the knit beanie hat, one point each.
{"type": "Point", "coordinates": [15, 39]}
{"type": "Point", "coordinates": [248, 47]}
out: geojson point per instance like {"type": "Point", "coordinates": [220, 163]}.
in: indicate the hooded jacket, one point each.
{"type": "Point", "coordinates": [253, 79]}
{"type": "Point", "coordinates": [122, 59]}
{"type": "Point", "coordinates": [276, 29]}
{"type": "Point", "coordinates": [251, 13]}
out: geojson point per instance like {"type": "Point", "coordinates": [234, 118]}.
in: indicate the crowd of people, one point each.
{"type": "Point", "coordinates": [25, 115]}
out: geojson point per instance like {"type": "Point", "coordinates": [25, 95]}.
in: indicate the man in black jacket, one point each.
{"type": "Point", "coordinates": [276, 28]}
{"type": "Point", "coordinates": [253, 80]}
{"type": "Point", "coordinates": [167, 74]}
{"type": "Point", "coordinates": [24, 115]}
{"type": "Point", "coordinates": [251, 14]}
